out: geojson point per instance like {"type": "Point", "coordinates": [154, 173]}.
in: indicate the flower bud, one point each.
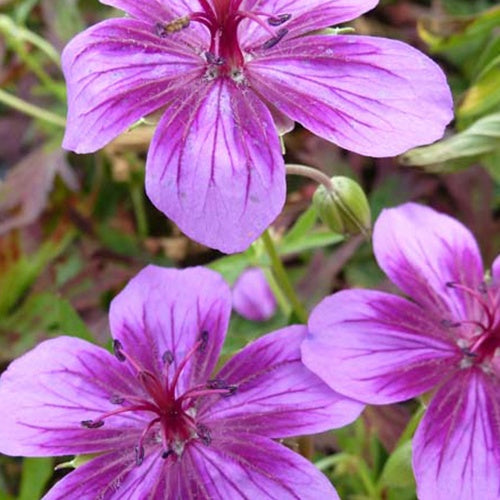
{"type": "Point", "coordinates": [344, 208]}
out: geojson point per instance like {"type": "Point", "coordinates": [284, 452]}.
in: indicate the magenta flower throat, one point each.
{"type": "Point", "coordinates": [230, 76]}
{"type": "Point", "coordinates": [157, 420]}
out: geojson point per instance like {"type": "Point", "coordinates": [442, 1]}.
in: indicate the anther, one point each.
{"type": "Point", "coordinates": [172, 27]}
{"type": "Point", "coordinates": [272, 42]}
{"type": "Point", "coordinates": [204, 340]}
{"type": "Point", "coordinates": [168, 357]}
{"type": "Point", "coordinates": [139, 454]}
{"type": "Point", "coordinates": [160, 30]}
{"type": "Point", "coordinates": [166, 454]}
{"type": "Point", "coordinates": [92, 424]}
{"type": "Point", "coordinates": [117, 350]}
{"type": "Point", "coordinates": [213, 59]}
{"type": "Point", "coordinates": [217, 383]}
{"type": "Point", "coordinates": [450, 324]}
{"type": "Point", "coordinates": [279, 20]}
{"type": "Point", "coordinates": [231, 389]}
{"type": "Point", "coordinates": [116, 400]}
{"type": "Point", "coordinates": [203, 433]}
{"type": "Point", "coordinates": [468, 353]}
{"type": "Point", "coordinates": [483, 288]}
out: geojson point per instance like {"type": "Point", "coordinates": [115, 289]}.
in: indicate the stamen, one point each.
{"type": "Point", "coordinates": [168, 358]}
{"type": "Point", "coordinates": [139, 455]}
{"type": "Point", "coordinates": [253, 17]}
{"type": "Point", "coordinates": [222, 385]}
{"type": "Point", "coordinates": [177, 25]}
{"type": "Point", "coordinates": [204, 434]}
{"type": "Point", "coordinates": [115, 399]}
{"type": "Point", "coordinates": [447, 323]}
{"type": "Point", "coordinates": [118, 350]}
{"type": "Point", "coordinates": [213, 59]}
{"type": "Point", "coordinates": [272, 42]}
{"type": "Point", "coordinates": [279, 20]}
{"type": "Point", "coordinates": [92, 424]}
{"type": "Point", "coordinates": [478, 295]}
{"type": "Point", "coordinates": [199, 345]}
{"type": "Point", "coordinates": [204, 340]}
{"type": "Point", "coordinates": [166, 454]}
{"type": "Point", "coordinates": [99, 421]}
{"type": "Point", "coordinates": [139, 449]}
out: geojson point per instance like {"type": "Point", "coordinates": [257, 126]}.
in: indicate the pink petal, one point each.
{"type": "Point", "coordinates": [161, 12]}
{"type": "Point", "coordinates": [495, 271]}
{"type": "Point", "coordinates": [117, 72]}
{"type": "Point", "coordinates": [150, 10]}
{"type": "Point", "coordinates": [236, 466]}
{"type": "Point", "coordinates": [422, 251]}
{"type": "Point", "coordinates": [456, 450]}
{"type": "Point", "coordinates": [306, 16]}
{"type": "Point", "coordinates": [374, 96]}
{"type": "Point", "coordinates": [252, 297]}
{"type": "Point", "coordinates": [244, 466]}
{"type": "Point", "coordinates": [164, 310]}
{"type": "Point", "coordinates": [277, 396]}
{"type": "Point", "coordinates": [215, 166]}
{"type": "Point", "coordinates": [115, 476]}
{"type": "Point", "coordinates": [377, 347]}
{"type": "Point", "coordinates": [45, 394]}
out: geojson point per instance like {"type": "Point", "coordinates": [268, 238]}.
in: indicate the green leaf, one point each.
{"type": "Point", "coordinates": [233, 265]}
{"type": "Point", "coordinates": [20, 275]}
{"type": "Point", "coordinates": [319, 239]}
{"type": "Point", "coordinates": [302, 226]}
{"type": "Point", "coordinates": [36, 473]}
{"type": "Point", "coordinates": [397, 471]}
{"type": "Point", "coordinates": [40, 316]}
{"type": "Point", "coordinates": [461, 39]}
{"type": "Point", "coordinates": [481, 138]}
{"type": "Point", "coordinates": [484, 95]}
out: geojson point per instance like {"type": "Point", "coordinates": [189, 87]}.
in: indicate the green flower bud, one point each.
{"type": "Point", "coordinates": [343, 208]}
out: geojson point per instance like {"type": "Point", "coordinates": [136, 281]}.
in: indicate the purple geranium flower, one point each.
{"type": "Point", "coordinates": [252, 297]}
{"type": "Point", "coordinates": [233, 73]}
{"type": "Point", "coordinates": [161, 425]}
{"type": "Point", "coordinates": [385, 348]}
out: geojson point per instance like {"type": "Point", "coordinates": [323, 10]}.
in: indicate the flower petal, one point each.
{"type": "Point", "coordinates": [115, 476]}
{"type": "Point", "coordinates": [164, 310]}
{"type": "Point", "coordinates": [215, 166]}
{"type": "Point", "coordinates": [45, 394]}
{"type": "Point", "coordinates": [377, 347]}
{"type": "Point", "coordinates": [159, 13]}
{"type": "Point", "coordinates": [277, 395]}
{"type": "Point", "coordinates": [495, 270]}
{"type": "Point", "coordinates": [306, 16]}
{"type": "Point", "coordinates": [374, 96]}
{"type": "Point", "coordinates": [150, 10]}
{"type": "Point", "coordinates": [117, 72]}
{"type": "Point", "coordinates": [252, 297]}
{"type": "Point", "coordinates": [422, 251]}
{"type": "Point", "coordinates": [243, 466]}
{"type": "Point", "coordinates": [456, 451]}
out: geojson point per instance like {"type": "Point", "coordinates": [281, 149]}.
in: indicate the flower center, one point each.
{"type": "Point", "coordinates": [483, 343]}
{"type": "Point", "coordinates": [173, 416]}
{"type": "Point", "coordinates": [222, 19]}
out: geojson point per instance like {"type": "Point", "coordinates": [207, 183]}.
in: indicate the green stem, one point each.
{"type": "Point", "coordinates": [13, 30]}
{"type": "Point", "coordinates": [139, 210]}
{"type": "Point", "coordinates": [277, 292]}
{"type": "Point", "coordinates": [31, 109]}
{"type": "Point", "coordinates": [282, 277]}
